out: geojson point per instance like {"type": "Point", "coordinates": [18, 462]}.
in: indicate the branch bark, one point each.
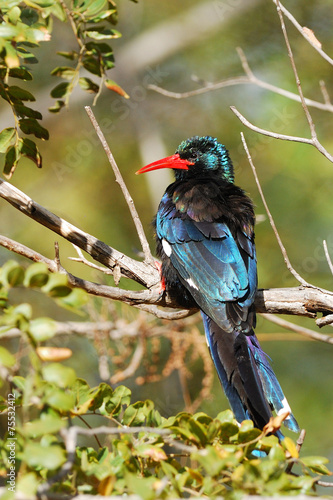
{"type": "Point", "coordinates": [141, 272]}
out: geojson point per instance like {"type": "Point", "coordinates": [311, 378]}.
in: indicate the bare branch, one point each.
{"type": "Point", "coordinates": [296, 301]}
{"type": "Point", "coordinates": [129, 296]}
{"type": "Point", "coordinates": [327, 255]}
{"type": "Point", "coordinates": [293, 65]}
{"type": "Point", "coordinates": [271, 220]}
{"type": "Point", "coordinates": [325, 320]}
{"type": "Point", "coordinates": [81, 258]}
{"type": "Point", "coordinates": [249, 79]}
{"type": "Point", "coordinates": [141, 272]}
{"type": "Point", "coordinates": [304, 33]}
{"type": "Point", "coordinates": [135, 216]}
{"type": "Point", "coordinates": [283, 137]}
{"type": "Point", "coordinates": [306, 332]}
{"type": "Point", "coordinates": [134, 364]}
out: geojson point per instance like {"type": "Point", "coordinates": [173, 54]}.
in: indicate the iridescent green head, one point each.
{"type": "Point", "coordinates": [205, 156]}
{"type": "Point", "coordinates": [197, 157]}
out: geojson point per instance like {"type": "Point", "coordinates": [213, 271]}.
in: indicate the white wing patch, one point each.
{"type": "Point", "coordinates": [191, 283]}
{"type": "Point", "coordinates": [285, 408]}
{"type": "Point", "coordinates": [166, 247]}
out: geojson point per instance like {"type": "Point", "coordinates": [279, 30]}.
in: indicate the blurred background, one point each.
{"type": "Point", "coordinates": [181, 47]}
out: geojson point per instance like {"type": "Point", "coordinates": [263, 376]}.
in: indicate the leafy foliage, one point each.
{"type": "Point", "coordinates": [36, 276]}
{"type": "Point", "coordinates": [24, 25]}
{"type": "Point", "coordinates": [60, 447]}
{"type": "Point", "coordinates": [147, 454]}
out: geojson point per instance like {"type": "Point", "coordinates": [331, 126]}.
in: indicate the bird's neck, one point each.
{"type": "Point", "coordinates": [211, 200]}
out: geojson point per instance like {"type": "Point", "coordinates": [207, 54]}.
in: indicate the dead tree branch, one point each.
{"type": "Point", "coordinates": [271, 220]}
{"type": "Point", "coordinates": [305, 33]}
{"type": "Point", "coordinates": [248, 79]}
{"type": "Point", "coordinates": [119, 179]}
{"type": "Point", "coordinates": [141, 272]}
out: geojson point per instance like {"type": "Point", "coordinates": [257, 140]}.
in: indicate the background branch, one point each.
{"type": "Point", "coordinates": [119, 179]}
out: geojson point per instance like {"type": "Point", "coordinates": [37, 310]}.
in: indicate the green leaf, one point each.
{"type": "Point", "coordinates": [27, 484]}
{"type": "Point", "coordinates": [75, 300]}
{"type": "Point", "coordinates": [28, 57]}
{"type": "Point", "coordinates": [36, 275]}
{"type": "Point", "coordinates": [14, 14]}
{"type": "Point", "coordinates": [24, 310]}
{"type": "Point", "coordinates": [6, 358]}
{"type": "Point", "coordinates": [60, 375]}
{"type": "Point", "coordinates": [11, 159]}
{"type": "Point", "coordinates": [57, 107]}
{"type": "Point", "coordinates": [21, 94]}
{"type": "Point", "coordinates": [59, 400]}
{"type": "Point", "coordinates": [20, 382]}
{"type": "Point", "coordinates": [61, 90]}
{"type": "Point", "coordinates": [102, 33]}
{"type": "Point", "coordinates": [68, 55]}
{"type": "Point", "coordinates": [50, 458]}
{"type": "Point", "coordinates": [120, 397]}
{"type": "Point", "coordinates": [317, 464]}
{"type": "Point", "coordinates": [6, 137]}
{"type": "Point", "coordinates": [31, 126]}
{"type": "Point", "coordinates": [92, 65]}
{"type": "Point", "coordinates": [137, 413]}
{"type": "Point", "coordinates": [289, 445]}
{"type": "Point", "coordinates": [112, 85]}
{"type": "Point", "coordinates": [65, 72]}
{"type": "Point", "coordinates": [29, 149]}
{"type": "Point", "coordinates": [21, 73]}
{"type": "Point", "coordinates": [90, 9]}
{"type": "Point", "coordinates": [29, 16]}
{"type": "Point", "coordinates": [23, 111]}
{"type": "Point", "coordinates": [11, 57]}
{"type": "Point", "coordinates": [12, 273]}
{"type": "Point", "coordinates": [47, 424]}
{"type": "Point", "coordinates": [42, 329]}
{"type": "Point", "coordinates": [57, 285]}
{"type": "Point", "coordinates": [88, 85]}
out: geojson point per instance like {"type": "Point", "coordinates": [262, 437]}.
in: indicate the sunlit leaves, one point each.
{"type": "Point", "coordinates": [6, 138]}
{"type": "Point", "coordinates": [163, 459]}
{"type": "Point", "coordinates": [23, 26]}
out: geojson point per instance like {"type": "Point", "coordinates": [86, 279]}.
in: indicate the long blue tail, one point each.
{"type": "Point", "coordinates": [247, 378]}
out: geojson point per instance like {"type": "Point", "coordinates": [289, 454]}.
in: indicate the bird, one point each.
{"type": "Point", "coordinates": [204, 231]}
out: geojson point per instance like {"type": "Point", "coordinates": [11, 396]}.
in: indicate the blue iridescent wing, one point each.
{"type": "Point", "coordinates": [218, 269]}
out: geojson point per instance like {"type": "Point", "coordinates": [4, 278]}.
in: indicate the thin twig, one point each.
{"type": "Point", "coordinates": [327, 255]}
{"type": "Point", "coordinates": [119, 376]}
{"type": "Point", "coordinates": [137, 222]}
{"type": "Point", "coordinates": [325, 93]}
{"type": "Point", "coordinates": [297, 79]}
{"type": "Point", "coordinates": [249, 79]}
{"type": "Point", "coordinates": [283, 137]}
{"type": "Point", "coordinates": [306, 332]}
{"type": "Point", "coordinates": [271, 220]}
{"type": "Point", "coordinates": [85, 261]}
{"type": "Point", "coordinates": [304, 33]}
{"type": "Point", "coordinates": [325, 320]}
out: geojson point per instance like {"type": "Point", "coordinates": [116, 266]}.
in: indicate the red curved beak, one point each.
{"type": "Point", "coordinates": [174, 161]}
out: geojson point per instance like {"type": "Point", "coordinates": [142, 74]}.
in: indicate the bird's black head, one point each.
{"type": "Point", "coordinates": [206, 156]}
{"type": "Point", "coordinates": [197, 157]}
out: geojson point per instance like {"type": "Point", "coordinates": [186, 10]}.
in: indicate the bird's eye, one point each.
{"type": "Point", "coordinates": [193, 156]}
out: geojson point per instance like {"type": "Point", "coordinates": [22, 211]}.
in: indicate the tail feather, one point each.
{"type": "Point", "coordinates": [272, 388]}
{"type": "Point", "coordinates": [248, 380]}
